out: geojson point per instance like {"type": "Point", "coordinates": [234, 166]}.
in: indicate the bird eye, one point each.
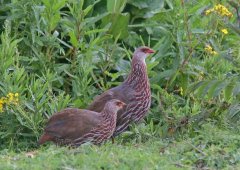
{"type": "Point", "coordinates": [145, 50]}
{"type": "Point", "coordinates": [119, 104]}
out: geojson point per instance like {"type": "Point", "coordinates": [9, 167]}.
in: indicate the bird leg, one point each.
{"type": "Point", "coordinates": [112, 139]}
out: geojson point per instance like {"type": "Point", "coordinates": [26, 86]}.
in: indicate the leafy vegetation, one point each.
{"type": "Point", "coordinates": [60, 53]}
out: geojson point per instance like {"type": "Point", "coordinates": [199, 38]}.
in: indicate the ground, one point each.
{"type": "Point", "coordinates": [212, 148]}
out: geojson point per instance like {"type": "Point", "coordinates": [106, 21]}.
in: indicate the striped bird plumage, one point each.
{"type": "Point", "coordinates": [134, 91]}
{"type": "Point", "coordinates": [101, 132]}
{"type": "Point", "coordinates": [74, 127]}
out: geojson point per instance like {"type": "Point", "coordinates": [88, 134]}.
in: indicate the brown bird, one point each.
{"type": "Point", "coordinates": [74, 127]}
{"type": "Point", "coordinates": [134, 91]}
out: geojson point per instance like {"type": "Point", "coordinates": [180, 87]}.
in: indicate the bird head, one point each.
{"type": "Point", "coordinates": [142, 52]}
{"type": "Point", "coordinates": [115, 104]}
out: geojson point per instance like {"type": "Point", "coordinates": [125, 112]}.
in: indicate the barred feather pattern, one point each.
{"type": "Point", "coordinates": [60, 141]}
{"type": "Point", "coordinates": [100, 133]}
{"type": "Point", "coordinates": [137, 109]}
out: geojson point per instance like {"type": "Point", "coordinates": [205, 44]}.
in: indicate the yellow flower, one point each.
{"type": "Point", "coordinates": [181, 91]}
{"type": "Point", "coordinates": [214, 53]}
{"type": "Point", "coordinates": [11, 98]}
{"type": "Point", "coordinates": [3, 99]}
{"type": "Point", "coordinates": [1, 105]}
{"type": "Point", "coordinates": [210, 50]}
{"type": "Point", "coordinates": [220, 10]}
{"type": "Point", "coordinates": [224, 31]}
{"type": "Point", "coordinates": [207, 12]}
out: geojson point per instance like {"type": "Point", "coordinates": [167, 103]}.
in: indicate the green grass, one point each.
{"type": "Point", "coordinates": [211, 148]}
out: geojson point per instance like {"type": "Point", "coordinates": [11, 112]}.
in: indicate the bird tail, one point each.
{"type": "Point", "coordinates": [44, 138]}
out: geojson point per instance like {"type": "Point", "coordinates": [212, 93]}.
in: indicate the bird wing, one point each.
{"type": "Point", "coordinates": [122, 92]}
{"type": "Point", "coordinates": [72, 123]}
{"type": "Point", "coordinates": [99, 102]}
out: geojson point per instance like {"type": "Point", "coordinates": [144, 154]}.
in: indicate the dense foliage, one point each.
{"type": "Point", "coordinates": [59, 53]}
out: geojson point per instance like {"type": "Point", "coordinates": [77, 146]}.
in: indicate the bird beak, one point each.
{"type": "Point", "coordinates": [150, 51]}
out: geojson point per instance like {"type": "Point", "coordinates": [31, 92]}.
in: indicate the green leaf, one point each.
{"type": "Point", "coordinates": [119, 24]}
{"type": "Point", "coordinates": [116, 6]}
{"type": "Point", "coordinates": [73, 38]}
{"type": "Point", "coordinates": [236, 90]}
{"type": "Point", "coordinates": [234, 112]}
{"type": "Point", "coordinates": [47, 3]}
{"type": "Point", "coordinates": [184, 82]}
{"type": "Point", "coordinates": [150, 4]}
{"type": "Point", "coordinates": [228, 90]}
{"type": "Point", "coordinates": [89, 8]}
{"type": "Point", "coordinates": [213, 86]}
{"type": "Point", "coordinates": [58, 5]}
{"type": "Point", "coordinates": [220, 88]}
{"type": "Point", "coordinates": [165, 74]}
{"type": "Point", "coordinates": [202, 87]}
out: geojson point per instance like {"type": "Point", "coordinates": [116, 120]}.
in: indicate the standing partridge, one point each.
{"type": "Point", "coordinates": [134, 91]}
{"type": "Point", "coordinates": [74, 127]}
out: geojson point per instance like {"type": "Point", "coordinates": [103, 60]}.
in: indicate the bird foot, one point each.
{"type": "Point", "coordinates": [112, 140]}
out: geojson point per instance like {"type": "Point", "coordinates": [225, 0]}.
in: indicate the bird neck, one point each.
{"type": "Point", "coordinates": [109, 113]}
{"type": "Point", "coordinates": [138, 74]}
